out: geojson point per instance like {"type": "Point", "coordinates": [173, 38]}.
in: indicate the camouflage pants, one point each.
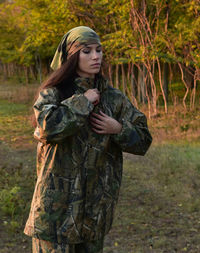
{"type": "Point", "coordinates": [41, 246]}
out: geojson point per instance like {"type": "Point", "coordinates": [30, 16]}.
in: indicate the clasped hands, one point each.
{"type": "Point", "coordinates": [101, 123]}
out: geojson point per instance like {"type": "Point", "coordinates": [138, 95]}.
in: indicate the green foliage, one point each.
{"type": "Point", "coordinates": [133, 33]}
{"type": "Point", "coordinates": [11, 202]}
{"type": "Point", "coordinates": [31, 28]}
{"type": "Point", "coordinates": [13, 196]}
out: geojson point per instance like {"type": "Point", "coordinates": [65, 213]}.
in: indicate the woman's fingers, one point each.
{"type": "Point", "coordinates": [104, 124]}
{"type": "Point", "coordinates": [98, 116]}
{"type": "Point", "coordinates": [99, 131]}
{"type": "Point", "coordinates": [93, 95]}
{"type": "Point", "coordinates": [96, 121]}
{"type": "Point", "coordinates": [99, 123]}
{"type": "Point", "coordinates": [103, 114]}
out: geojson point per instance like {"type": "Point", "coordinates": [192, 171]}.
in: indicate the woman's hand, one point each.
{"type": "Point", "coordinates": [103, 124]}
{"type": "Point", "coordinates": [93, 95]}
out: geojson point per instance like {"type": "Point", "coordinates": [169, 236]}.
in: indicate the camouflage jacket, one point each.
{"type": "Point", "coordinates": [79, 172]}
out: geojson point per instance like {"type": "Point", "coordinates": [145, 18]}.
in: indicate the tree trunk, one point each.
{"type": "Point", "coordinates": [33, 71]}
{"type": "Point", "coordinates": [110, 74]}
{"type": "Point", "coordinates": [129, 72]}
{"type": "Point", "coordinates": [5, 71]}
{"type": "Point", "coordinates": [123, 79]}
{"type": "Point", "coordinates": [142, 73]}
{"type": "Point", "coordinates": [117, 75]}
{"type": "Point", "coordinates": [133, 85]}
{"type": "Point", "coordinates": [166, 79]}
{"type": "Point", "coordinates": [39, 66]}
{"type": "Point", "coordinates": [1, 67]}
{"type": "Point", "coordinates": [48, 63]}
{"type": "Point", "coordinates": [152, 88]}
{"type": "Point", "coordinates": [186, 86]}
{"type": "Point", "coordinates": [26, 73]}
{"type": "Point", "coordinates": [161, 84]}
{"type": "Point", "coordinates": [140, 77]}
{"type": "Point", "coordinates": [134, 79]}
{"type": "Point", "coordinates": [193, 93]}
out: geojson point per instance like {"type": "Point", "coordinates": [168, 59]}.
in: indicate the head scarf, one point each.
{"type": "Point", "coordinates": [74, 40]}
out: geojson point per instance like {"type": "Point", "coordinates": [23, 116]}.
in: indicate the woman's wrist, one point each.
{"type": "Point", "coordinates": [118, 127]}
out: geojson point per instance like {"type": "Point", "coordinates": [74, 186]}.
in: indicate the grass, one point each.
{"type": "Point", "coordinates": [17, 93]}
{"type": "Point", "coordinates": [176, 126]}
{"type": "Point", "coordinates": [17, 180]}
{"type": "Point", "coordinates": [16, 104]}
{"type": "Point", "coordinates": [15, 126]}
{"type": "Point", "coordinates": [159, 206]}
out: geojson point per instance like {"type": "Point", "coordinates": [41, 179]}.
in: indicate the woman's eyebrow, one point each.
{"type": "Point", "coordinates": [89, 47]}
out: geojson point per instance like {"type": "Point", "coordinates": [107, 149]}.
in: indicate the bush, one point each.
{"type": "Point", "coordinates": [14, 193]}
{"type": "Point", "coordinates": [11, 201]}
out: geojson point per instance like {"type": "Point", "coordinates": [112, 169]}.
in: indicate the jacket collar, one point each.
{"type": "Point", "coordinates": [83, 83]}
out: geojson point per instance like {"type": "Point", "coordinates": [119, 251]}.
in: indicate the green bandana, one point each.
{"type": "Point", "coordinates": [76, 39]}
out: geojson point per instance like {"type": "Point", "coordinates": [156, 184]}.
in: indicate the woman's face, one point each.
{"type": "Point", "coordinates": [90, 58]}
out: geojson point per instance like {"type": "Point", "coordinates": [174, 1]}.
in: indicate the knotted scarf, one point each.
{"type": "Point", "coordinates": [73, 41]}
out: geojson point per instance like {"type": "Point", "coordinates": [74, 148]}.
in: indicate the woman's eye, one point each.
{"type": "Point", "coordinates": [98, 50]}
{"type": "Point", "coordinates": [86, 51]}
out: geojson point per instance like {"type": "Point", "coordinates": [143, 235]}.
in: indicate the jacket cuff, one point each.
{"type": "Point", "coordinates": [124, 135]}
{"type": "Point", "coordinates": [80, 103]}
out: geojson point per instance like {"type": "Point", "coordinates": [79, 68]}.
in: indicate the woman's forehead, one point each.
{"type": "Point", "coordinates": [94, 45]}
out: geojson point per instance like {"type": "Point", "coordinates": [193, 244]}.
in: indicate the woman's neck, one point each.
{"type": "Point", "coordinates": [85, 75]}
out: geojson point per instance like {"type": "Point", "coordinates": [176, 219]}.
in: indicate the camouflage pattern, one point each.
{"type": "Point", "coordinates": [79, 171]}
{"type": "Point", "coordinates": [73, 41]}
{"type": "Point", "coordinates": [41, 246]}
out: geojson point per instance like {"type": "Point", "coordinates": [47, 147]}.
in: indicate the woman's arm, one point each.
{"type": "Point", "coordinates": [57, 120]}
{"type": "Point", "coordinates": [130, 131]}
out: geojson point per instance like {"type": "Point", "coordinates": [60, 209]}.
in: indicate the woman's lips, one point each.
{"type": "Point", "coordinates": [96, 65]}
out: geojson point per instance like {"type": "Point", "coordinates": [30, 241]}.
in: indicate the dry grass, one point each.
{"type": "Point", "coordinates": [177, 125]}
{"type": "Point", "coordinates": [159, 204]}
{"type": "Point", "coordinates": [18, 93]}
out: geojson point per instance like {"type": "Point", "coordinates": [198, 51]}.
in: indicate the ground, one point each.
{"type": "Point", "coordinates": [158, 209]}
{"type": "Point", "coordinates": [159, 205]}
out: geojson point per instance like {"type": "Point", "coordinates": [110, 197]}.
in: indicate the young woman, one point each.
{"type": "Point", "coordinates": [83, 125]}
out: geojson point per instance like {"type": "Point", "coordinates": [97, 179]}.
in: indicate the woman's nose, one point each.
{"type": "Point", "coordinates": [95, 55]}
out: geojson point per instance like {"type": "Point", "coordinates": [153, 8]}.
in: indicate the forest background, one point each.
{"type": "Point", "coordinates": [152, 54]}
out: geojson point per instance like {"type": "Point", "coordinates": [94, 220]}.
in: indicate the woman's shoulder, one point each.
{"type": "Point", "coordinates": [118, 94]}
{"type": "Point", "coordinates": [49, 91]}
{"type": "Point", "coordinates": [48, 95]}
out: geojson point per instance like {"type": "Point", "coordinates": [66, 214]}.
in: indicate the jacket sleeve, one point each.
{"type": "Point", "coordinates": [134, 137]}
{"type": "Point", "coordinates": [57, 120]}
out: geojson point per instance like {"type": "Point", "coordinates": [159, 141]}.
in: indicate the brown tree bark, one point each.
{"type": "Point", "coordinates": [117, 76]}
{"type": "Point", "coordinates": [186, 86]}
{"type": "Point", "coordinates": [123, 79]}
{"type": "Point", "coordinates": [110, 74]}
{"type": "Point", "coordinates": [165, 79]}
{"type": "Point", "coordinates": [193, 93]}
{"type": "Point", "coordinates": [161, 84]}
